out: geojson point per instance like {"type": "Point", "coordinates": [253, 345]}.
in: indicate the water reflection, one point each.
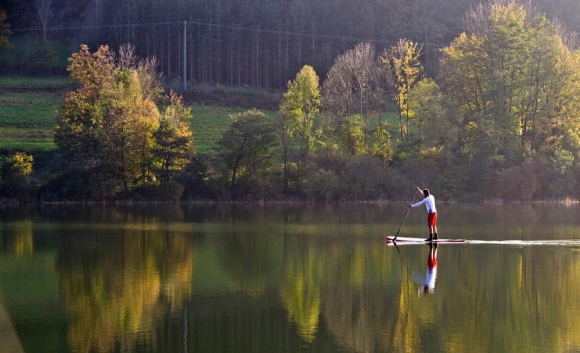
{"type": "Point", "coordinates": [19, 240]}
{"type": "Point", "coordinates": [320, 279]}
{"type": "Point", "coordinates": [300, 292]}
{"type": "Point", "coordinates": [428, 283]}
{"type": "Point", "coordinates": [119, 287]}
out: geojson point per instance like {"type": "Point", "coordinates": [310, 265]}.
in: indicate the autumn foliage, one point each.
{"type": "Point", "coordinates": [111, 128]}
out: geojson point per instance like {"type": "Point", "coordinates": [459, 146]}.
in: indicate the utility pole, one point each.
{"type": "Point", "coordinates": [184, 56]}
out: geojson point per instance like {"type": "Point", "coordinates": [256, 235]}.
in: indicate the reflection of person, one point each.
{"type": "Point", "coordinates": [429, 202]}
{"type": "Point", "coordinates": [431, 276]}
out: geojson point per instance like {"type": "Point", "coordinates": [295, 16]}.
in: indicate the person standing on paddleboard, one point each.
{"type": "Point", "coordinates": [429, 202]}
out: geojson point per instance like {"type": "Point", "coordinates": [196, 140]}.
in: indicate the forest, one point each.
{"type": "Point", "coordinates": [259, 43]}
{"type": "Point", "coordinates": [476, 101]}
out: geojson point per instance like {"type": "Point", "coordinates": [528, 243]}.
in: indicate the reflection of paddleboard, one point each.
{"type": "Point", "coordinates": [8, 338]}
{"type": "Point", "coordinates": [404, 240]}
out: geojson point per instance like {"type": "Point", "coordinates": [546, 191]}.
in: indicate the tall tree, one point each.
{"type": "Point", "coordinates": [4, 29]}
{"type": "Point", "coordinates": [45, 16]}
{"type": "Point", "coordinates": [80, 120]}
{"type": "Point", "coordinates": [173, 139]}
{"type": "Point", "coordinates": [436, 128]}
{"type": "Point", "coordinates": [352, 88]}
{"type": "Point", "coordinates": [298, 109]}
{"type": "Point", "coordinates": [94, 18]}
{"type": "Point", "coordinates": [404, 67]}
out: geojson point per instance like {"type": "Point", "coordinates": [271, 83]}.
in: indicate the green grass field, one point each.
{"type": "Point", "coordinates": [208, 125]}
{"type": "Point", "coordinates": [28, 108]}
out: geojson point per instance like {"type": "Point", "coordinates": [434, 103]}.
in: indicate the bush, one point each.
{"type": "Point", "coordinates": [170, 191]}
{"type": "Point", "coordinates": [323, 185]}
{"type": "Point", "coordinates": [15, 173]}
{"type": "Point", "coordinates": [519, 183]}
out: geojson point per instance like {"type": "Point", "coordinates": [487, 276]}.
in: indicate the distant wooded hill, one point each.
{"type": "Point", "coordinates": [258, 43]}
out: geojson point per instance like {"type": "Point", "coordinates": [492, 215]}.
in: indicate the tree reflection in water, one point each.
{"type": "Point", "coordinates": [220, 280]}
{"type": "Point", "coordinates": [118, 290]}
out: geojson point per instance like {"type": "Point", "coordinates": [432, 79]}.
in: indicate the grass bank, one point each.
{"type": "Point", "coordinates": [28, 107]}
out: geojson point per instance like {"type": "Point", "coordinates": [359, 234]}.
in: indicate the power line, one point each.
{"type": "Point", "coordinates": [224, 26]}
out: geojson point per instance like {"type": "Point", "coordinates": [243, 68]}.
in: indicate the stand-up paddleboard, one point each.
{"type": "Point", "coordinates": [406, 240]}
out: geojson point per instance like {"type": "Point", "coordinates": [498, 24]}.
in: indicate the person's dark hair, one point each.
{"type": "Point", "coordinates": [426, 192]}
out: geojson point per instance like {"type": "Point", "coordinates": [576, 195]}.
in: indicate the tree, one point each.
{"type": "Point", "coordinates": [351, 86]}
{"type": "Point", "coordinates": [95, 16]}
{"type": "Point", "coordinates": [551, 82]}
{"type": "Point", "coordinates": [4, 30]}
{"type": "Point", "coordinates": [15, 176]}
{"type": "Point", "coordinates": [351, 135]}
{"type": "Point", "coordinates": [338, 87]}
{"type": "Point", "coordinates": [511, 87]}
{"type": "Point", "coordinates": [45, 16]}
{"type": "Point", "coordinates": [248, 146]}
{"type": "Point", "coordinates": [127, 134]}
{"type": "Point", "coordinates": [173, 140]}
{"type": "Point", "coordinates": [352, 81]}
{"type": "Point", "coordinates": [436, 128]}
{"type": "Point", "coordinates": [298, 109]}
{"type": "Point", "coordinates": [80, 120]}
{"type": "Point", "coordinates": [111, 127]}
{"type": "Point", "coordinates": [404, 68]}
{"type": "Point", "coordinates": [461, 78]}
{"type": "Point", "coordinates": [382, 142]}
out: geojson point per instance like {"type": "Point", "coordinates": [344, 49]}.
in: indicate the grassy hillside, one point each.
{"type": "Point", "coordinates": [28, 107]}
{"type": "Point", "coordinates": [27, 110]}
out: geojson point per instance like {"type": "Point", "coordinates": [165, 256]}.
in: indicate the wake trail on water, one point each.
{"type": "Point", "coordinates": [526, 242]}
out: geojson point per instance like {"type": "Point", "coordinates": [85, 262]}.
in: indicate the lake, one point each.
{"type": "Point", "coordinates": [288, 278]}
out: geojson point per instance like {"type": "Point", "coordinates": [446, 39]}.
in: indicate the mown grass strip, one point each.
{"type": "Point", "coordinates": [50, 83]}
{"type": "Point", "coordinates": [31, 110]}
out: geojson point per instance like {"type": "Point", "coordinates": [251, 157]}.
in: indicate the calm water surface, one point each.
{"type": "Point", "coordinates": [282, 278]}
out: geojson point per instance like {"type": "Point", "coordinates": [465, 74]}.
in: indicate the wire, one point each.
{"type": "Point", "coordinates": [237, 28]}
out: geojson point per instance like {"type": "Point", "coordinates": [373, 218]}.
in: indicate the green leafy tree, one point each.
{"type": "Point", "coordinates": [351, 135]}
{"type": "Point", "coordinates": [249, 147]}
{"type": "Point", "coordinates": [298, 109]}
{"type": "Point", "coordinates": [511, 89]}
{"type": "Point", "coordinates": [462, 76]}
{"type": "Point", "coordinates": [436, 128]}
{"type": "Point", "coordinates": [403, 68]}
{"type": "Point", "coordinates": [382, 142]}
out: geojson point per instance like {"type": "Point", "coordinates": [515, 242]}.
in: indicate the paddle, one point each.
{"type": "Point", "coordinates": [408, 208]}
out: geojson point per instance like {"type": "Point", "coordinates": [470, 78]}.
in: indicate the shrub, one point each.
{"type": "Point", "coordinates": [518, 183]}
{"type": "Point", "coordinates": [15, 173]}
